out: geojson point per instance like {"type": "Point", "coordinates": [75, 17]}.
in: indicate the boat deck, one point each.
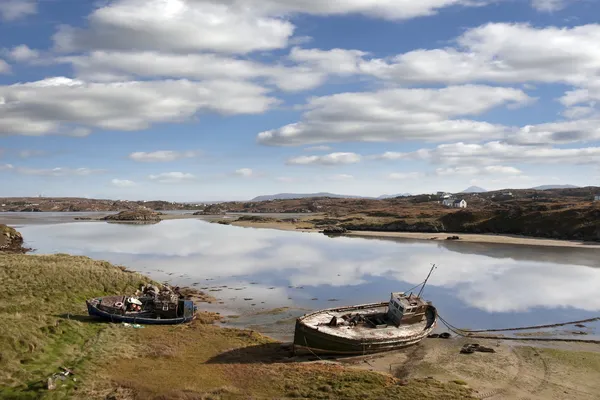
{"type": "Point", "coordinates": [320, 321]}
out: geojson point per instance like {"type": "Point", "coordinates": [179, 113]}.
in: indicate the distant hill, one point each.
{"type": "Point", "coordinates": [287, 196]}
{"type": "Point", "coordinates": [547, 187]}
{"type": "Point", "coordinates": [391, 196]}
{"type": "Point", "coordinates": [474, 189]}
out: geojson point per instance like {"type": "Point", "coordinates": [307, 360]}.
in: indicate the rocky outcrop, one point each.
{"type": "Point", "coordinates": [11, 241]}
{"type": "Point", "coordinates": [334, 230]}
{"type": "Point", "coordinates": [135, 216]}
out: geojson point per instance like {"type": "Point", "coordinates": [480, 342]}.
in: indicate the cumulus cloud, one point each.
{"type": "Point", "coordinates": [172, 177]}
{"type": "Point", "coordinates": [23, 53]}
{"type": "Point", "coordinates": [161, 156]}
{"type": "Point", "coordinates": [329, 159]}
{"type": "Point", "coordinates": [53, 105]}
{"type": "Point", "coordinates": [398, 114]}
{"type": "Point", "coordinates": [122, 65]}
{"type": "Point", "coordinates": [244, 172]}
{"type": "Point", "coordinates": [457, 154]}
{"type": "Point", "coordinates": [176, 26]}
{"type": "Point", "coordinates": [123, 183]}
{"type": "Point", "coordinates": [11, 10]}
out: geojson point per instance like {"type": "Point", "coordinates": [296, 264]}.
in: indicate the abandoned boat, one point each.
{"type": "Point", "coordinates": [368, 328]}
{"type": "Point", "coordinates": [142, 310]}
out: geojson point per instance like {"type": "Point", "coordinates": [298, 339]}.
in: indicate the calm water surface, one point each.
{"type": "Point", "coordinates": [475, 285]}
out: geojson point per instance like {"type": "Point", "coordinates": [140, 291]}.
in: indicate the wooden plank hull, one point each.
{"type": "Point", "coordinates": [310, 339]}
{"type": "Point", "coordinates": [96, 312]}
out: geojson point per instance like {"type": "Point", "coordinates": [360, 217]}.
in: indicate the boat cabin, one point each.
{"type": "Point", "coordinates": [405, 309]}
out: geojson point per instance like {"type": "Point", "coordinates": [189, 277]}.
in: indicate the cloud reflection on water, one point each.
{"type": "Point", "coordinates": [201, 251]}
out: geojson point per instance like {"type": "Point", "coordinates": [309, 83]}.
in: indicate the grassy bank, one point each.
{"type": "Point", "coordinates": [44, 327]}
{"type": "Point", "coordinates": [43, 322]}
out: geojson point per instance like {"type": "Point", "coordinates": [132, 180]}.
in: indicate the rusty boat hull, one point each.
{"type": "Point", "coordinates": [314, 335]}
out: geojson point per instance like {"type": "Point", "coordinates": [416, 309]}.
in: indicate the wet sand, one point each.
{"type": "Point", "coordinates": [531, 370]}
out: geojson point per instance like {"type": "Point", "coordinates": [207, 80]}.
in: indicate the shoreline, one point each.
{"type": "Point", "coordinates": [464, 237]}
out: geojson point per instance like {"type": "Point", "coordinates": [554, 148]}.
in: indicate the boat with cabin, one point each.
{"type": "Point", "coordinates": [402, 321]}
{"type": "Point", "coordinates": [154, 307]}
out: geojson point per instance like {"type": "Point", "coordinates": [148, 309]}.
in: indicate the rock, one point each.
{"type": "Point", "coordinates": [10, 240]}
{"type": "Point", "coordinates": [334, 230]}
{"type": "Point", "coordinates": [134, 215]}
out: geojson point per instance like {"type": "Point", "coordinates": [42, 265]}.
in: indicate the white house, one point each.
{"type": "Point", "coordinates": [597, 197]}
{"type": "Point", "coordinates": [459, 204]}
{"type": "Point", "coordinates": [448, 202]}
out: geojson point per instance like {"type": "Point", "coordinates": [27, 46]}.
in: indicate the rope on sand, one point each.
{"type": "Point", "coordinates": [468, 334]}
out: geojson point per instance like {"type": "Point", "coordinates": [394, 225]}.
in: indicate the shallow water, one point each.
{"type": "Point", "coordinates": [475, 285]}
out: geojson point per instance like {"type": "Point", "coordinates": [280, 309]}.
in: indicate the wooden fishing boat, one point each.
{"type": "Point", "coordinates": [368, 328]}
{"type": "Point", "coordinates": [150, 311]}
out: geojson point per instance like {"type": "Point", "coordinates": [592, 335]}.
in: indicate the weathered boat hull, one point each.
{"type": "Point", "coordinates": [309, 339]}
{"type": "Point", "coordinates": [94, 311]}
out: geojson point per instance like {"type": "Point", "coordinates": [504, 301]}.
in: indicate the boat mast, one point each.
{"type": "Point", "coordinates": [426, 279]}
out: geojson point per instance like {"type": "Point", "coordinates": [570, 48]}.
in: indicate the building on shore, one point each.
{"type": "Point", "coordinates": [597, 197]}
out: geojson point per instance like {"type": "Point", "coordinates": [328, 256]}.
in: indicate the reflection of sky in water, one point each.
{"type": "Point", "coordinates": [476, 285]}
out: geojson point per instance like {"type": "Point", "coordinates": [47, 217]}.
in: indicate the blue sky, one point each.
{"type": "Point", "coordinates": [204, 100]}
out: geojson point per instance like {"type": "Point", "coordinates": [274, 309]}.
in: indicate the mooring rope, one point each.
{"type": "Point", "coordinates": [468, 334]}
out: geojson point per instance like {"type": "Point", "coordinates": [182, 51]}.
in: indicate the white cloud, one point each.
{"type": "Point", "coordinates": [50, 106]}
{"type": "Point", "coordinates": [172, 177]}
{"type": "Point", "coordinates": [335, 61]}
{"type": "Point", "coordinates": [329, 159]}
{"type": "Point", "coordinates": [471, 170]}
{"type": "Point", "coordinates": [245, 172]}
{"type": "Point", "coordinates": [549, 5]}
{"type": "Point", "coordinates": [233, 26]}
{"type": "Point", "coordinates": [161, 156]}
{"type": "Point", "coordinates": [123, 183]}
{"type": "Point", "coordinates": [385, 9]}
{"type": "Point", "coordinates": [59, 171]}
{"type": "Point", "coordinates": [404, 175]}
{"type": "Point", "coordinates": [318, 148]}
{"type": "Point", "coordinates": [11, 10]}
{"type": "Point", "coordinates": [23, 53]}
{"type": "Point", "coordinates": [495, 52]}
{"type": "Point", "coordinates": [499, 152]}
{"type": "Point", "coordinates": [397, 115]}
{"type": "Point", "coordinates": [176, 26]}
{"type": "Point", "coordinates": [4, 67]}
{"type": "Point", "coordinates": [5, 167]}
{"type": "Point", "coordinates": [105, 66]}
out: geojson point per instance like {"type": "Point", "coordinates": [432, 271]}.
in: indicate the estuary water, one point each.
{"type": "Point", "coordinates": [250, 271]}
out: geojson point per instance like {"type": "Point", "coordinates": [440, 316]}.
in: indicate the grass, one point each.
{"type": "Point", "coordinates": [38, 296]}
{"type": "Point", "coordinates": [200, 361]}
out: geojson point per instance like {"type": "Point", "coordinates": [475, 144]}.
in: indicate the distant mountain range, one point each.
{"type": "Point", "coordinates": [474, 189]}
{"type": "Point", "coordinates": [546, 187]}
{"type": "Point", "coordinates": [287, 196]}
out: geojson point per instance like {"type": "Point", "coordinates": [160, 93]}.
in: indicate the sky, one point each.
{"type": "Point", "coordinates": [191, 100]}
